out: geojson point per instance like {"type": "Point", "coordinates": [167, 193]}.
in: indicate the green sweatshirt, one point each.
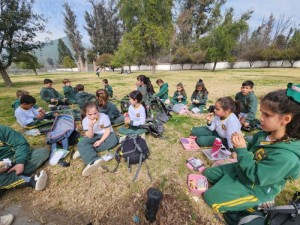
{"type": "Point", "coordinates": [109, 90]}
{"type": "Point", "coordinates": [70, 93]}
{"type": "Point", "coordinates": [48, 93]}
{"type": "Point", "coordinates": [265, 167]}
{"type": "Point", "coordinates": [83, 97]}
{"type": "Point", "coordinates": [200, 96]}
{"type": "Point", "coordinates": [163, 93]}
{"type": "Point", "coordinates": [147, 97]}
{"type": "Point", "coordinates": [174, 100]}
{"type": "Point", "coordinates": [248, 104]}
{"type": "Point", "coordinates": [13, 146]}
{"type": "Point", "coordinates": [111, 110]}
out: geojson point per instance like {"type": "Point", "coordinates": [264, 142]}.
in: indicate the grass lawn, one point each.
{"type": "Point", "coordinates": [106, 198]}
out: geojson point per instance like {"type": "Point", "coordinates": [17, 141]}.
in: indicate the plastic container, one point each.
{"type": "Point", "coordinates": [195, 164]}
{"type": "Point", "coordinates": [189, 144]}
{"type": "Point", "coordinates": [197, 184]}
{"type": "Point", "coordinates": [216, 147]}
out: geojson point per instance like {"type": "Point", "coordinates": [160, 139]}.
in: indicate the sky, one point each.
{"type": "Point", "coordinates": [53, 11]}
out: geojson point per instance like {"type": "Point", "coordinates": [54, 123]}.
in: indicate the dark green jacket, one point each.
{"type": "Point", "coordinates": [265, 167]}
{"type": "Point", "coordinates": [147, 97]}
{"type": "Point", "coordinates": [13, 146]}
{"type": "Point", "coordinates": [163, 93]}
{"type": "Point", "coordinates": [174, 100]}
{"type": "Point", "coordinates": [48, 93]}
{"type": "Point", "coordinates": [111, 110]}
{"type": "Point", "coordinates": [200, 96]}
{"type": "Point", "coordinates": [109, 90]}
{"type": "Point", "coordinates": [70, 93]}
{"type": "Point", "coordinates": [83, 97]}
{"type": "Point", "coordinates": [248, 104]}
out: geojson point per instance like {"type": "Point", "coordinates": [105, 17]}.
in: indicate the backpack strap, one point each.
{"type": "Point", "coordinates": [248, 219]}
{"type": "Point", "coordinates": [148, 172]}
{"type": "Point", "coordinates": [138, 169]}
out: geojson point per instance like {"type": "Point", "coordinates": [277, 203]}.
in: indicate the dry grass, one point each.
{"type": "Point", "coordinates": [106, 198]}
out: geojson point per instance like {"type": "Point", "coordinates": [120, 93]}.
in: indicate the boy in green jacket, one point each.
{"type": "Point", "coordinates": [69, 91]}
{"type": "Point", "coordinates": [82, 97]}
{"type": "Point", "coordinates": [163, 93]}
{"type": "Point", "coordinates": [18, 162]}
{"type": "Point", "coordinates": [108, 88]}
{"type": "Point", "coordinates": [50, 95]}
{"type": "Point", "coordinates": [248, 104]}
{"type": "Point", "coordinates": [264, 167]}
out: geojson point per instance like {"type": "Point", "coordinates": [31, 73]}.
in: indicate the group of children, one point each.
{"type": "Point", "coordinates": [237, 186]}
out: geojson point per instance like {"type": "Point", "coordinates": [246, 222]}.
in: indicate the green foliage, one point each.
{"type": "Point", "coordinates": [182, 56]}
{"type": "Point", "coordinates": [68, 62]}
{"type": "Point", "coordinates": [18, 29]}
{"type": "Point", "coordinates": [105, 60]}
{"type": "Point", "coordinates": [63, 51]}
{"type": "Point", "coordinates": [27, 61]}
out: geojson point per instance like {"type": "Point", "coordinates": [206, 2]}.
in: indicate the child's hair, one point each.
{"type": "Point", "coordinates": [182, 88]}
{"type": "Point", "coordinates": [227, 103]}
{"type": "Point", "coordinates": [147, 82]}
{"type": "Point", "coordinates": [47, 81]}
{"type": "Point", "coordinates": [102, 97]}
{"type": "Point", "coordinates": [79, 87]}
{"type": "Point", "coordinates": [248, 83]}
{"type": "Point", "coordinates": [200, 83]}
{"type": "Point", "coordinates": [20, 93]}
{"type": "Point", "coordinates": [136, 95]}
{"type": "Point", "coordinates": [278, 102]}
{"type": "Point", "coordinates": [159, 81]}
{"type": "Point", "coordinates": [105, 81]}
{"type": "Point", "coordinates": [86, 106]}
{"type": "Point", "coordinates": [27, 99]}
{"type": "Point", "coordinates": [66, 81]}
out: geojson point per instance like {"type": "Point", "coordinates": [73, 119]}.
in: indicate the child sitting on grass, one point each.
{"type": "Point", "coordinates": [69, 91]}
{"type": "Point", "coordinates": [82, 97]}
{"type": "Point", "coordinates": [199, 97]}
{"type": "Point", "coordinates": [266, 164]}
{"type": "Point", "coordinates": [99, 136]}
{"type": "Point", "coordinates": [163, 93]}
{"type": "Point", "coordinates": [179, 96]}
{"type": "Point", "coordinates": [50, 95]}
{"type": "Point", "coordinates": [108, 88]}
{"type": "Point", "coordinates": [17, 103]}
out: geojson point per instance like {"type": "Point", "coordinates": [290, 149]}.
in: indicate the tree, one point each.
{"type": "Point", "coordinates": [182, 56]}
{"type": "Point", "coordinates": [149, 25]}
{"type": "Point", "coordinates": [103, 27]}
{"type": "Point", "coordinates": [197, 57]}
{"type": "Point", "coordinates": [105, 60]}
{"type": "Point", "coordinates": [50, 61]}
{"type": "Point", "coordinates": [221, 41]}
{"type": "Point", "coordinates": [26, 60]}
{"type": "Point", "coordinates": [68, 62]}
{"type": "Point", "coordinates": [18, 28]}
{"type": "Point", "coordinates": [74, 36]}
{"type": "Point", "coordinates": [252, 56]}
{"type": "Point", "coordinates": [270, 54]}
{"type": "Point", "coordinates": [63, 51]}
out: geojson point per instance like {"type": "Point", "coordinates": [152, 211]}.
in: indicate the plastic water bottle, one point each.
{"type": "Point", "coordinates": [154, 197]}
{"type": "Point", "coordinates": [216, 148]}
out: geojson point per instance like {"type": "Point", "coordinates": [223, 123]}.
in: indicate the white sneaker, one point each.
{"type": "Point", "coordinates": [121, 139]}
{"type": "Point", "coordinates": [91, 168]}
{"type": "Point", "coordinates": [76, 155]}
{"type": "Point", "coordinates": [6, 219]}
{"type": "Point", "coordinates": [41, 181]}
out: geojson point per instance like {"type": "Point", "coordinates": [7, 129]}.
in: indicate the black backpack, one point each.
{"type": "Point", "coordinates": [156, 128]}
{"type": "Point", "coordinates": [158, 110]}
{"type": "Point", "coordinates": [133, 150]}
{"type": "Point", "coordinates": [125, 103]}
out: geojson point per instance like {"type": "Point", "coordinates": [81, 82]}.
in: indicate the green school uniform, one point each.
{"type": "Point", "coordinates": [248, 104]}
{"type": "Point", "coordinates": [259, 175]}
{"type": "Point", "coordinates": [175, 99]}
{"type": "Point", "coordinates": [202, 98]}
{"type": "Point", "coordinates": [83, 97]}
{"type": "Point", "coordinates": [15, 147]}
{"type": "Point", "coordinates": [70, 93]}
{"type": "Point", "coordinates": [163, 93]}
{"type": "Point", "coordinates": [113, 113]}
{"type": "Point", "coordinates": [48, 93]}
{"type": "Point", "coordinates": [109, 90]}
{"type": "Point", "coordinates": [147, 97]}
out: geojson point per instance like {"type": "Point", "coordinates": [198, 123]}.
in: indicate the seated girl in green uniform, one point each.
{"type": "Point", "coordinates": [223, 125]}
{"type": "Point", "coordinates": [199, 97]}
{"type": "Point", "coordinates": [135, 117]}
{"type": "Point", "coordinates": [69, 91]}
{"type": "Point", "coordinates": [163, 93]}
{"type": "Point", "coordinates": [179, 95]}
{"type": "Point", "coordinates": [267, 163]}
{"type": "Point", "coordinates": [109, 108]}
{"type": "Point", "coordinates": [145, 87]}
{"type": "Point", "coordinates": [99, 136]}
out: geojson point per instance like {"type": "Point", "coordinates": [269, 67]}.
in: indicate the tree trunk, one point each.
{"type": "Point", "coordinates": [129, 69]}
{"type": "Point", "coordinates": [215, 64]}
{"type": "Point", "coordinates": [6, 78]}
{"type": "Point", "coordinates": [153, 69]}
{"type": "Point", "coordinates": [34, 70]}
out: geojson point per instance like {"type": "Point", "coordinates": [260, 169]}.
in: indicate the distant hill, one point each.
{"type": "Point", "coordinates": [50, 51]}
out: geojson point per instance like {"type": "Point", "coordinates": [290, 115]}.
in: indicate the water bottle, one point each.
{"type": "Point", "coordinates": [154, 196]}
{"type": "Point", "coordinates": [216, 148]}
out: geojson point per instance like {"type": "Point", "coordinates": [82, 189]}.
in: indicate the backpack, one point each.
{"type": "Point", "coordinates": [62, 129]}
{"type": "Point", "coordinates": [156, 127]}
{"type": "Point", "coordinates": [125, 103]}
{"type": "Point", "coordinates": [158, 110]}
{"type": "Point", "coordinates": [278, 215]}
{"type": "Point", "coordinates": [133, 150]}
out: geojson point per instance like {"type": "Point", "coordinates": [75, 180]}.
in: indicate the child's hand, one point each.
{"type": "Point", "coordinates": [97, 143]}
{"type": "Point", "coordinates": [209, 117]}
{"type": "Point", "coordinates": [196, 101]}
{"type": "Point", "coordinates": [92, 122]}
{"type": "Point", "coordinates": [127, 120]}
{"type": "Point", "coordinates": [238, 140]}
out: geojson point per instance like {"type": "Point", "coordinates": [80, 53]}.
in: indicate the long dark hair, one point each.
{"type": "Point", "coordinates": [227, 103]}
{"type": "Point", "coordinates": [200, 83]}
{"type": "Point", "coordinates": [278, 102]}
{"type": "Point", "coordinates": [147, 82]}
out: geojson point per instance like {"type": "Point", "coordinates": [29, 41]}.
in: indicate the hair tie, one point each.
{"type": "Point", "coordinates": [293, 91]}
